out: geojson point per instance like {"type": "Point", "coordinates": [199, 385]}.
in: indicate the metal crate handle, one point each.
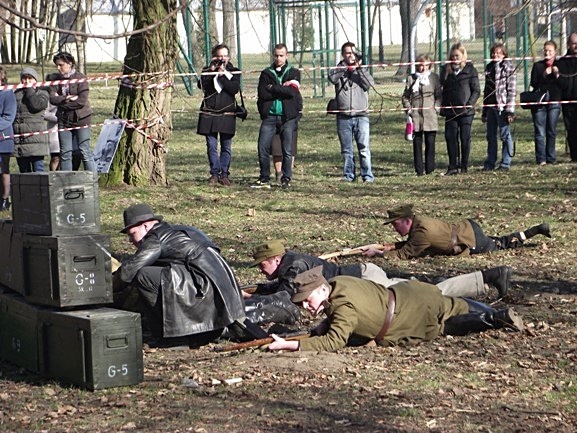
{"type": "Point", "coordinates": [74, 194]}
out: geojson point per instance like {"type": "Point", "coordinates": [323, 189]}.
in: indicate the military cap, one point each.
{"type": "Point", "coordinates": [306, 282]}
{"type": "Point", "coordinates": [266, 251]}
{"type": "Point", "coordinates": [403, 211]}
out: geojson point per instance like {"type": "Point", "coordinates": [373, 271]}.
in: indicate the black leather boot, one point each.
{"type": "Point", "coordinates": [541, 229]}
{"type": "Point", "coordinates": [482, 317]}
{"type": "Point", "coordinates": [499, 277]}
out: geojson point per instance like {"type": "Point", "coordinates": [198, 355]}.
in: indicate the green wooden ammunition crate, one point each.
{"type": "Point", "coordinates": [56, 203]}
{"type": "Point", "coordinates": [11, 268]}
{"type": "Point", "coordinates": [95, 349]}
{"type": "Point", "coordinates": [66, 271]}
{"type": "Point", "coordinates": [19, 332]}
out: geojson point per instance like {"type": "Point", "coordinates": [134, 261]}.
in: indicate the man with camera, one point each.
{"type": "Point", "coordinates": [352, 83]}
{"type": "Point", "coordinates": [220, 82]}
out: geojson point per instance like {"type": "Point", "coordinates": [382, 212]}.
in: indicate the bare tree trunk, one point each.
{"type": "Point", "coordinates": [228, 26]}
{"type": "Point", "coordinates": [139, 160]}
{"type": "Point", "coordinates": [213, 29]}
{"type": "Point", "coordinates": [405, 8]}
{"type": "Point", "coordinates": [81, 40]}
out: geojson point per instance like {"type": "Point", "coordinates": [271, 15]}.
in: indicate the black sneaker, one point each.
{"type": "Point", "coordinates": [285, 184]}
{"type": "Point", "coordinates": [261, 184]}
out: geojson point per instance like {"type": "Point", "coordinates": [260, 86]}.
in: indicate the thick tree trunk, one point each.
{"type": "Point", "coordinates": [141, 156]}
{"type": "Point", "coordinates": [229, 26]}
{"type": "Point", "coordinates": [405, 8]}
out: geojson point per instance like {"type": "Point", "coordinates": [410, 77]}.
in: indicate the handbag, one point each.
{"type": "Point", "coordinates": [532, 98]}
{"type": "Point", "coordinates": [409, 128]}
{"type": "Point", "coordinates": [332, 106]}
{"type": "Point", "coordinates": [240, 111]}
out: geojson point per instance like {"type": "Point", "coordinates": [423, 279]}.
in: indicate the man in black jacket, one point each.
{"type": "Point", "coordinates": [281, 267]}
{"type": "Point", "coordinates": [279, 105]}
{"type": "Point", "coordinates": [566, 70]}
{"type": "Point", "coordinates": [186, 287]}
{"type": "Point", "coordinates": [220, 82]}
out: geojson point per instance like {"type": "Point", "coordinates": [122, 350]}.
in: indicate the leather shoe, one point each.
{"type": "Point", "coordinates": [508, 318]}
{"type": "Point", "coordinates": [503, 280]}
{"type": "Point", "coordinates": [544, 229]}
{"type": "Point", "coordinates": [452, 172]}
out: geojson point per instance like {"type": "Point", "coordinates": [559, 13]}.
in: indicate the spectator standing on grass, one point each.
{"type": "Point", "coordinates": [279, 105]}
{"type": "Point", "coordinates": [421, 99]}
{"type": "Point", "coordinates": [546, 116]}
{"type": "Point", "coordinates": [32, 102]}
{"type": "Point", "coordinates": [219, 83]}
{"type": "Point", "coordinates": [461, 89]}
{"type": "Point", "coordinates": [7, 116]}
{"type": "Point", "coordinates": [566, 70]}
{"type": "Point", "coordinates": [499, 107]}
{"type": "Point", "coordinates": [352, 83]}
{"type": "Point", "coordinates": [52, 126]}
{"type": "Point", "coordinates": [73, 111]}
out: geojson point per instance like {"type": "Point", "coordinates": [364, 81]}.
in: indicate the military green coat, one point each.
{"type": "Point", "coordinates": [357, 309]}
{"type": "Point", "coordinates": [432, 237]}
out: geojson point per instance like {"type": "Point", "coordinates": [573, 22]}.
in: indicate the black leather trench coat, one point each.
{"type": "Point", "coordinates": [198, 288]}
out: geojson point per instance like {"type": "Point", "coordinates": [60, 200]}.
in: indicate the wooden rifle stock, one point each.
{"type": "Point", "coordinates": [351, 251]}
{"type": "Point", "coordinates": [260, 342]}
{"type": "Point", "coordinates": [249, 288]}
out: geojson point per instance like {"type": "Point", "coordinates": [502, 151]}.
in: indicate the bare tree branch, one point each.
{"type": "Point", "coordinates": [36, 25]}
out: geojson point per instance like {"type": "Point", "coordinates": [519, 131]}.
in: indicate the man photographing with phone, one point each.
{"type": "Point", "coordinates": [352, 83]}
{"type": "Point", "coordinates": [220, 82]}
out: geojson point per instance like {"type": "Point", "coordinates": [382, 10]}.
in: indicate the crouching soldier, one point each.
{"type": "Point", "coordinates": [185, 286]}
{"type": "Point", "coordinates": [406, 313]}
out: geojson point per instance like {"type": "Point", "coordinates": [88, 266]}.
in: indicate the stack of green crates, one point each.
{"type": "Point", "coordinates": [57, 281]}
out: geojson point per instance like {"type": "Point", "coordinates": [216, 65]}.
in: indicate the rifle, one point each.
{"type": "Point", "coordinates": [249, 288]}
{"type": "Point", "coordinates": [261, 342]}
{"type": "Point", "coordinates": [351, 251]}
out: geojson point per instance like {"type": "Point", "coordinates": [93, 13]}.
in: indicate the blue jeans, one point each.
{"type": "Point", "coordinates": [357, 127]}
{"type": "Point", "coordinates": [29, 164]}
{"type": "Point", "coordinates": [82, 136]}
{"type": "Point", "coordinates": [497, 120]}
{"type": "Point", "coordinates": [219, 165]}
{"type": "Point", "coordinates": [286, 129]}
{"type": "Point", "coordinates": [545, 124]}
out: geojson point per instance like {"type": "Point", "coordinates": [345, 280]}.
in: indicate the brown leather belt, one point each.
{"type": "Point", "coordinates": [388, 317]}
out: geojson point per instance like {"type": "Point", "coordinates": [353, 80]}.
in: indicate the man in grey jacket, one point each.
{"type": "Point", "coordinates": [352, 83]}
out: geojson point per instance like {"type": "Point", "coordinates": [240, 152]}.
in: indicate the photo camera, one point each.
{"type": "Point", "coordinates": [218, 62]}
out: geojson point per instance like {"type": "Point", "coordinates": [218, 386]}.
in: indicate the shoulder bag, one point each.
{"type": "Point", "coordinates": [533, 98]}
{"type": "Point", "coordinates": [240, 111]}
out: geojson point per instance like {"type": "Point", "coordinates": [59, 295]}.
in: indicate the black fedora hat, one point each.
{"type": "Point", "coordinates": [137, 214]}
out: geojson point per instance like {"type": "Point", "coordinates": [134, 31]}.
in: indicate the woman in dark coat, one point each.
{"type": "Point", "coordinates": [545, 117]}
{"type": "Point", "coordinates": [30, 150]}
{"type": "Point", "coordinates": [7, 115]}
{"type": "Point", "coordinates": [219, 84]}
{"type": "Point", "coordinates": [461, 89]}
